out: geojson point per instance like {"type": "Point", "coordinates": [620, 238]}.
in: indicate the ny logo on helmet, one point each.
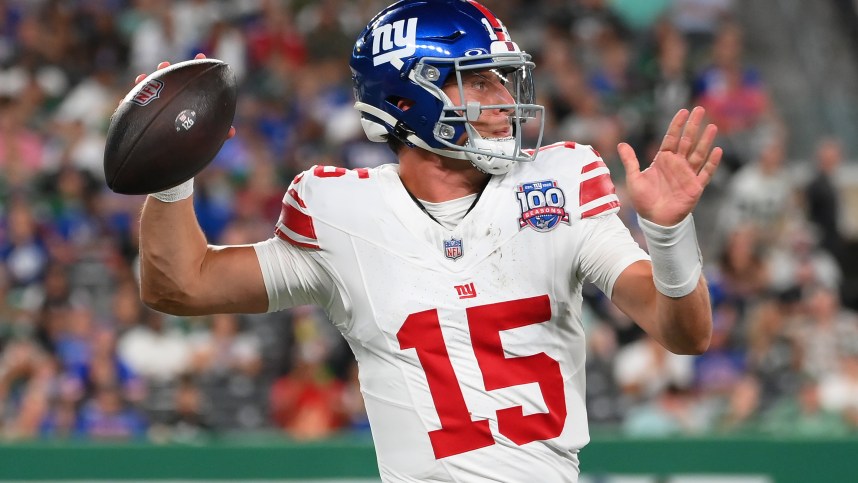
{"type": "Point", "coordinates": [398, 34]}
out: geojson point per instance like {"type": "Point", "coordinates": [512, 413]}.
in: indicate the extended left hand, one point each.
{"type": "Point", "coordinates": [668, 190]}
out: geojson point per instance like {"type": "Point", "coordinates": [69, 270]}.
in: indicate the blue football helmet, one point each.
{"type": "Point", "coordinates": [411, 49]}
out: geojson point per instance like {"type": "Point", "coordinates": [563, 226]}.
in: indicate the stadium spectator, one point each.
{"type": "Point", "coordinates": [605, 400]}
{"type": "Point", "coordinates": [673, 412]}
{"type": "Point", "coordinates": [735, 97]}
{"type": "Point", "coordinates": [741, 272]}
{"type": "Point", "coordinates": [189, 419]}
{"type": "Point", "coordinates": [774, 355]}
{"type": "Point", "coordinates": [155, 350]}
{"type": "Point", "coordinates": [762, 193]}
{"type": "Point", "coordinates": [824, 332]}
{"type": "Point", "coordinates": [838, 390]}
{"type": "Point", "coordinates": [803, 415]}
{"type": "Point", "coordinates": [307, 402]}
{"type": "Point", "coordinates": [21, 148]}
{"type": "Point", "coordinates": [107, 417]}
{"type": "Point", "coordinates": [27, 375]}
{"type": "Point", "coordinates": [23, 246]}
{"type": "Point", "coordinates": [739, 409]}
{"type": "Point", "coordinates": [822, 197]}
{"type": "Point", "coordinates": [644, 369]}
{"type": "Point", "coordinates": [699, 20]}
{"type": "Point", "coordinates": [797, 262]}
{"type": "Point", "coordinates": [224, 349]}
{"type": "Point", "coordinates": [667, 79]}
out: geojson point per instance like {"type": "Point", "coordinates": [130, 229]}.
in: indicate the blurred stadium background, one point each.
{"type": "Point", "coordinates": [94, 386]}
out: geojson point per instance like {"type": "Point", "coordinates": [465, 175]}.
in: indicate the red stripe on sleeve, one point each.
{"type": "Point", "coordinates": [595, 188]}
{"type": "Point", "coordinates": [294, 195]}
{"type": "Point", "coordinates": [600, 209]}
{"type": "Point", "coordinates": [284, 236]}
{"type": "Point", "coordinates": [297, 221]}
{"type": "Point", "coordinates": [594, 165]}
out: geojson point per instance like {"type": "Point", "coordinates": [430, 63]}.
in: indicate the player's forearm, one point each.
{"type": "Point", "coordinates": [172, 250]}
{"type": "Point", "coordinates": [683, 325]}
{"type": "Point", "coordinates": [682, 312]}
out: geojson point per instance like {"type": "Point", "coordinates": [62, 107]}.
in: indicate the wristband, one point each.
{"type": "Point", "coordinates": [676, 259]}
{"type": "Point", "coordinates": [176, 193]}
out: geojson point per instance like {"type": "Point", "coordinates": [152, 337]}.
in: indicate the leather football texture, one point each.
{"type": "Point", "coordinates": [169, 126]}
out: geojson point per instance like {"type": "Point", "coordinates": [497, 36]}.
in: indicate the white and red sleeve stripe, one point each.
{"type": "Point", "coordinates": [597, 194]}
{"type": "Point", "coordinates": [295, 224]}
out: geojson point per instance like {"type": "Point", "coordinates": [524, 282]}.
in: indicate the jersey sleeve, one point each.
{"type": "Point", "coordinates": [597, 195]}
{"type": "Point", "coordinates": [608, 250]}
{"type": "Point", "coordinates": [295, 224]}
{"type": "Point", "coordinates": [294, 270]}
{"type": "Point", "coordinates": [293, 275]}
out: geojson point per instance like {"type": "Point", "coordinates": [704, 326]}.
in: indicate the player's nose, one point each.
{"type": "Point", "coordinates": [503, 96]}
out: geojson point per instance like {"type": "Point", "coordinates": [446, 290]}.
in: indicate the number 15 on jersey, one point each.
{"type": "Point", "coordinates": [459, 433]}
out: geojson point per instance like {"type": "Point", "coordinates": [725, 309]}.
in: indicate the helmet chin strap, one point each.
{"type": "Point", "coordinates": [489, 148]}
{"type": "Point", "coordinates": [485, 160]}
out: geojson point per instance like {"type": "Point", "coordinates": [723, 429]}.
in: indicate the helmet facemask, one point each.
{"type": "Point", "coordinates": [490, 155]}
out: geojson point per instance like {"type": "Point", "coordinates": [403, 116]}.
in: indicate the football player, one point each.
{"type": "Point", "coordinates": [456, 275]}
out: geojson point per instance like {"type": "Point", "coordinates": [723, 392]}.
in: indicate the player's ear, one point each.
{"type": "Point", "coordinates": [404, 104]}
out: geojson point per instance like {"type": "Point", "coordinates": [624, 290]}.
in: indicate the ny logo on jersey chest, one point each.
{"type": "Point", "coordinates": [466, 291]}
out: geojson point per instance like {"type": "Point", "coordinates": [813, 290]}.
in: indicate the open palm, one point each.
{"type": "Point", "coordinates": [669, 189]}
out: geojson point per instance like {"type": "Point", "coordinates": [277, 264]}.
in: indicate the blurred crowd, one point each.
{"type": "Point", "coordinates": [81, 357]}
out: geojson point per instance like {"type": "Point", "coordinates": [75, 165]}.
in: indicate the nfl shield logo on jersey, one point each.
{"type": "Point", "coordinates": [453, 249]}
{"type": "Point", "coordinates": [541, 204]}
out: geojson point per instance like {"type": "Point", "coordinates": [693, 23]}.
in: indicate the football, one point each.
{"type": "Point", "coordinates": [169, 126]}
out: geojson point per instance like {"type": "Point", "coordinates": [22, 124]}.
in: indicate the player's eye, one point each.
{"type": "Point", "coordinates": [478, 82]}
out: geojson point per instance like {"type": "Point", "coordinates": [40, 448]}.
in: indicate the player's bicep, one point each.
{"type": "Point", "coordinates": [634, 293]}
{"type": "Point", "coordinates": [232, 281]}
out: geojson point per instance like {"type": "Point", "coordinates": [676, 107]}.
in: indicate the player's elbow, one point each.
{"type": "Point", "coordinates": [692, 344]}
{"type": "Point", "coordinates": [169, 298]}
{"type": "Point", "coordinates": [160, 300]}
{"type": "Point", "coordinates": [694, 348]}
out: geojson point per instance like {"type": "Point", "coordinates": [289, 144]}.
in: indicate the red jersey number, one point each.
{"type": "Point", "coordinates": [336, 172]}
{"type": "Point", "coordinates": [459, 433]}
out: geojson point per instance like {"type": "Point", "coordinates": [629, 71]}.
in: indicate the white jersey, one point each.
{"type": "Point", "coordinates": [469, 341]}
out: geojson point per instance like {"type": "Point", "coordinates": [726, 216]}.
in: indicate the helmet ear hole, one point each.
{"type": "Point", "coordinates": [402, 103]}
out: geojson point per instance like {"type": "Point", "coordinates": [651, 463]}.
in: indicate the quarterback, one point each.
{"type": "Point", "coordinates": [455, 275]}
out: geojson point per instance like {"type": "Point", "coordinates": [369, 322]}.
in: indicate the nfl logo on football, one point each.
{"type": "Point", "coordinates": [148, 92]}
{"type": "Point", "coordinates": [453, 249]}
